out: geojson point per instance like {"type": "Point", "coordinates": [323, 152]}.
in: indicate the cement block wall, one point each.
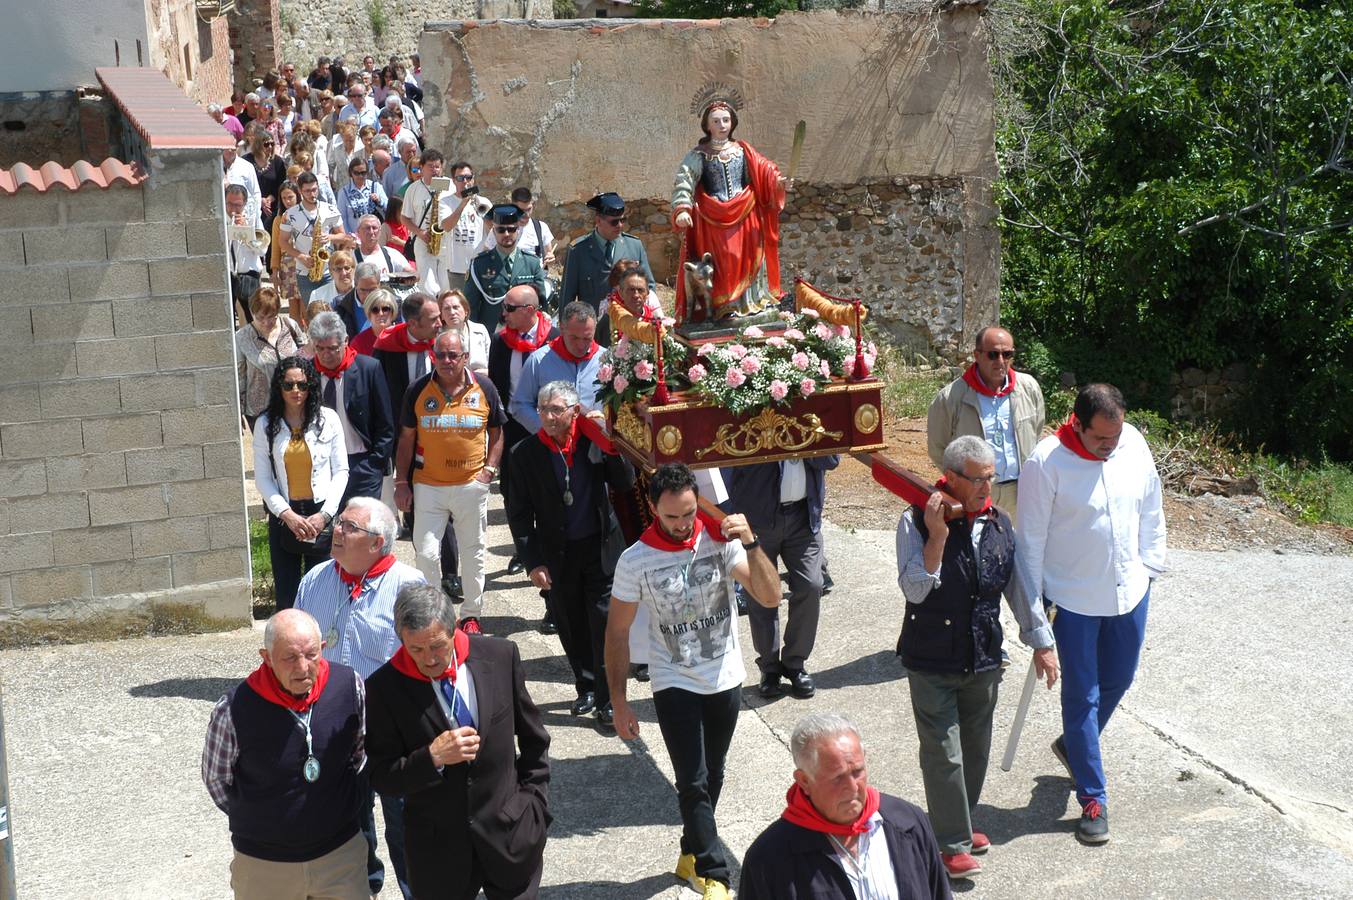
{"type": "Point", "coordinates": [121, 482]}
{"type": "Point", "coordinates": [894, 195]}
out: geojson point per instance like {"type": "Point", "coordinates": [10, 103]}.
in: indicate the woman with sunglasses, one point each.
{"type": "Point", "coordinates": [473, 336]}
{"type": "Point", "coordinates": [381, 310]}
{"type": "Point", "coordinates": [301, 471]}
{"type": "Point", "coordinates": [361, 196]}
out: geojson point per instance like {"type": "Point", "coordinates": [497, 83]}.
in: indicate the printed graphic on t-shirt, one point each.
{"type": "Point", "coordinates": [694, 615]}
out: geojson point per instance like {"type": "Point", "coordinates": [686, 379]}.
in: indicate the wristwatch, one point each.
{"type": "Point", "coordinates": [492, 470]}
{"type": "Point", "coordinates": [756, 542]}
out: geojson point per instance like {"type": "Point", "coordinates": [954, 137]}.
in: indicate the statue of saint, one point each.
{"type": "Point", "coordinates": [726, 202]}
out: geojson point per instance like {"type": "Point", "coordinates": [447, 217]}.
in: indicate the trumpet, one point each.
{"type": "Point", "coordinates": [319, 258]}
{"type": "Point", "coordinates": [256, 239]}
{"type": "Point", "coordinates": [482, 204]}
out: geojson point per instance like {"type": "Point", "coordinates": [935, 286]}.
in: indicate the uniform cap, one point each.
{"type": "Point", "coordinates": [505, 214]}
{"type": "Point", "coordinates": [608, 204]}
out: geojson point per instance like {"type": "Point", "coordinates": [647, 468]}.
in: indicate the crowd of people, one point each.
{"type": "Point", "coordinates": [401, 350]}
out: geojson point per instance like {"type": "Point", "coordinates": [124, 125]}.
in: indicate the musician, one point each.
{"type": "Point", "coordinates": [300, 227]}
{"type": "Point", "coordinates": [246, 255]}
{"type": "Point", "coordinates": [460, 219]}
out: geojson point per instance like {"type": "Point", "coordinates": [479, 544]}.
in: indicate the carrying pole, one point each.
{"type": "Point", "coordinates": [8, 891]}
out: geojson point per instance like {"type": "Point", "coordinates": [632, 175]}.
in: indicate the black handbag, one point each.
{"type": "Point", "coordinates": [322, 545]}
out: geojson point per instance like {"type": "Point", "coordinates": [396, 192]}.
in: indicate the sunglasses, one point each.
{"type": "Point", "coordinates": [349, 527]}
{"type": "Point", "coordinates": [448, 356]}
{"type": "Point", "coordinates": [295, 386]}
{"type": "Point", "coordinates": [359, 171]}
{"type": "Point", "coordinates": [994, 355]}
{"type": "Point", "coordinates": [508, 307]}
{"type": "Point", "coordinates": [505, 229]}
{"type": "Point", "coordinates": [616, 220]}
{"type": "Point", "coordinates": [388, 310]}
{"type": "Point", "coordinates": [464, 177]}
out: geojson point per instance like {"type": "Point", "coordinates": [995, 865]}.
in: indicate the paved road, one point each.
{"type": "Point", "coordinates": [1228, 768]}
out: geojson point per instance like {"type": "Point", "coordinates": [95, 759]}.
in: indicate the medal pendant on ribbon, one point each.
{"type": "Point", "coordinates": [568, 498]}
{"type": "Point", "coordinates": [311, 769]}
{"type": "Point", "coordinates": [331, 637]}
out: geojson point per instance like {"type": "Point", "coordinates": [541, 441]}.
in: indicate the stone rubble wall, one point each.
{"type": "Point", "coordinates": [121, 481]}
{"type": "Point", "coordinates": [1199, 395]}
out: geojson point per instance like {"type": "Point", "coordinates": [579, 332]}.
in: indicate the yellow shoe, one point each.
{"type": "Point", "coordinates": [685, 871]}
{"type": "Point", "coordinates": [716, 890]}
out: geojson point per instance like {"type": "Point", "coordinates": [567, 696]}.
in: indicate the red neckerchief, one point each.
{"type": "Point", "coordinates": [799, 810]}
{"type": "Point", "coordinates": [522, 344]}
{"type": "Point", "coordinates": [557, 345]}
{"type": "Point", "coordinates": [975, 382]}
{"type": "Point", "coordinates": [589, 428]}
{"type": "Point", "coordinates": [396, 338]}
{"type": "Point", "coordinates": [405, 665]}
{"type": "Point", "coordinates": [264, 682]}
{"type": "Point", "coordinates": [349, 355]}
{"type": "Point", "coordinates": [1066, 433]}
{"type": "Point", "coordinates": [379, 567]}
{"type": "Point", "coordinates": [655, 537]}
{"type": "Point", "coordinates": [943, 485]}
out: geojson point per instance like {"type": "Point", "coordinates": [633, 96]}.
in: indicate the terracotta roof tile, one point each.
{"type": "Point", "coordinates": [80, 175]}
{"type": "Point", "coordinates": [162, 114]}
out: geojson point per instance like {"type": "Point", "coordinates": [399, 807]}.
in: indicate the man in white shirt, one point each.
{"type": "Point", "coordinates": [533, 235]}
{"type": "Point", "coordinates": [301, 223]}
{"type": "Point", "coordinates": [246, 262]}
{"type": "Point", "coordinates": [238, 171]}
{"type": "Point", "coordinates": [371, 250]}
{"type": "Point", "coordinates": [461, 222]}
{"type": "Point", "coordinates": [1091, 541]}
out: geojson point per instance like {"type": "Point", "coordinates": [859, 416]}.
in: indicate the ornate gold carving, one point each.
{"type": "Point", "coordinates": [633, 429]}
{"type": "Point", "coordinates": [866, 418]}
{"type": "Point", "coordinates": [669, 440]}
{"type": "Point", "coordinates": [767, 431]}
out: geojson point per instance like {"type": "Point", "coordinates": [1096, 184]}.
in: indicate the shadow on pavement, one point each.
{"type": "Point", "coordinates": [1041, 815]}
{"type": "Point", "coordinates": [586, 797]}
{"type": "Point", "coordinates": [548, 668]}
{"type": "Point", "coordinates": [876, 668]}
{"type": "Point", "coordinates": [209, 689]}
{"type": "Point", "coordinates": [609, 890]}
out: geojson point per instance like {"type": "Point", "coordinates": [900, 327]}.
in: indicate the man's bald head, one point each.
{"type": "Point", "coordinates": [287, 624]}
{"type": "Point", "coordinates": [292, 648]}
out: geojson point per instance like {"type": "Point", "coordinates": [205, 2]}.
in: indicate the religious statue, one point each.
{"type": "Point", "coordinates": [726, 204]}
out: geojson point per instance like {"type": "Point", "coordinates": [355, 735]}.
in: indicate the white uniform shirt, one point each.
{"type": "Point", "coordinates": [417, 198]}
{"type": "Point", "coordinates": [301, 224]}
{"type": "Point", "coordinates": [1091, 534]}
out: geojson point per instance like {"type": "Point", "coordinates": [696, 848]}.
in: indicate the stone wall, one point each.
{"type": "Point", "coordinates": [193, 54]}
{"type": "Point", "coordinates": [1199, 395]}
{"type": "Point", "coordinates": [893, 198]}
{"type": "Point", "coordinates": [255, 29]}
{"type": "Point", "coordinates": [121, 482]}
{"type": "Point", "coordinates": [60, 126]}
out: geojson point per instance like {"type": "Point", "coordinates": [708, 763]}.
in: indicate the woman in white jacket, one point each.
{"type": "Point", "coordinates": [301, 471]}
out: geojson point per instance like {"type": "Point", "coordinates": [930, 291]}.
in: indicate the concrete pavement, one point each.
{"type": "Point", "coordinates": [1227, 765]}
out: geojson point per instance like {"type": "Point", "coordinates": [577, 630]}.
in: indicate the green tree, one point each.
{"type": "Point", "coordinates": [1176, 191]}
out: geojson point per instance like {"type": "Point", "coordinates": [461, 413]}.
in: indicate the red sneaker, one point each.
{"type": "Point", "coordinates": [471, 626]}
{"type": "Point", "coordinates": [980, 842]}
{"type": "Point", "coordinates": [960, 865]}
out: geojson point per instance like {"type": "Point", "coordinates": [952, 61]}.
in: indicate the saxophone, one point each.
{"type": "Point", "coordinates": [319, 258]}
{"type": "Point", "coordinates": [435, 232]}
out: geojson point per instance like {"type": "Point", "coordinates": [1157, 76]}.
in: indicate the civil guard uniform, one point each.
{"type": "Point", "coordinates": [587, 267]}
{"type": "Point", "coordinates": [493, 273]}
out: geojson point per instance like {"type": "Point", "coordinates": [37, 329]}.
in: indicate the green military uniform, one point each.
{"type": "Point", "coordinates": [492, 275]}
{"type": "Point", "coordinates": [587, 268]}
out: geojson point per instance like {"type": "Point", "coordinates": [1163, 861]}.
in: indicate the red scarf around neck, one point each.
{"type": "Point", "coordinates": [349, 355]}
{"type": "Point", "coordinates": [943, 485]}
{"type": "Point", "coordinates": [655, 537]}
{"type": "Point", "coordinates": [405, 665]}
{"type": "Point", "coordinates": [1066, 433]}
{"type": "Point", "coordinates": [589, 428]}
{"type": "Point", "coordinates": [522, 344]}
{"type": "Point", "coordinates": [397, 338]}
{"type": "Point", "coordinates": [974, 381]}
{"type": "Point", "coordinates": [355, 582]}
{"type": "Point", "coordinates": [799, 810]}
{"type": "Point", "coordinates": [263, 681]}
{"type": "Point", "coordinates": [557, 345]}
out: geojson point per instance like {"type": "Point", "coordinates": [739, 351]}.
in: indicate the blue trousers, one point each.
{"type": "Point", "coordinates": [1098, 655]}
{"type": "Point", "coordinates": [392, 808]}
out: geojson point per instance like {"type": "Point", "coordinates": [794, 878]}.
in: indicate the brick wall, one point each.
{"type": "Point", "coordinates": [121, 483]}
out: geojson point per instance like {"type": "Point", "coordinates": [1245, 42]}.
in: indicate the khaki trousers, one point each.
{"type": "Point", "coordinates": [1006, 496]}
{"type": "Point", "coordinates": [337, 875]}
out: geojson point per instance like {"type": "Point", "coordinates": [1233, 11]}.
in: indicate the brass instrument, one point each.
{"type": "Point", "coordinates": [319, 258]}
{"type": "Point", "coordinates": [435, 231]}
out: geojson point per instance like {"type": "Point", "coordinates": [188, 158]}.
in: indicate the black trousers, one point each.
{"type": "Point", "coordinates": [242, 287]}
{"type": "Point", "coordinates": [579, 600]}
{"type": "Point", "coordinates": [698, 729]}
{"type": "Point", "coordinates": [513, 433]}
{"type": "Point", "coordinates": [287, 568]}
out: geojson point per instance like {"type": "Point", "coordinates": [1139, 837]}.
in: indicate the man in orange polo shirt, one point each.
{"type": "Point", "coordinates": [450, 442]}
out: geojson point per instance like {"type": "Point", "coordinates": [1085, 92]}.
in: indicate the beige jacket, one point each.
{"type": "Point", "coordinates": [955, 412]}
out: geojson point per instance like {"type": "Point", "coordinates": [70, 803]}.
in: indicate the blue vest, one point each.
{"type": "Point", "coordinates": [957, 628]}
{"type": "Point", "coordinates": [275, 814]}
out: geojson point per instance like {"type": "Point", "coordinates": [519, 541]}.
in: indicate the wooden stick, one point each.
{"type": "Point", "coordinates": [905, 483]}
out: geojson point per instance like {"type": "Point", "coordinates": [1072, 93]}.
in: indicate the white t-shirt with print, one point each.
{"type": "Point", "coordinates": [692, 614]}
{"type": "Point", "coordinates": [301, 224]}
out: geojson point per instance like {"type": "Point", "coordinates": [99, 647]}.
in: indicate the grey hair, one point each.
{"type": "Point", "coordinates": [379, 520]}
{"type": "Point", "coordinates": [270, 630]}
{"type": "Point", "coordinates": [967, 447]}
{"type": "Point", "coordinates": [236, 189]}
{"type": "Point", "coordinates": [451, 332]}
{"type": "Point", "coordinates": [563, 389]}
{"type": "Point", "coordinates": [214, 108]}
{"type": "Point", "coordinates": [366, 270]}
{"type": "Point", "coordinates": [577, 311]}
{"type": "Point", "coordinates": [327, 325]}
{"type": "Point", "coordinates": [377, 296]}
{"type": "Point", "coordinates": [814, 728]}
{"type": "Point", "coordinates": [382, 143]}
{"type": "Point", "coordinates": [377, 220]}
{"type": "Point", "coordinates": [252, 96]}
{"type": "Point", "coordinates": [419, 605]}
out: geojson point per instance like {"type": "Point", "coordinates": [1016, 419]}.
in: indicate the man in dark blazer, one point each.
{"type": "Point", "coordinates": [587, 268]}
{"type": "Point", "coordinates": [451, 728]}
{"type": "Point", "coordinates": [783, 502]}
{"type": "Point", "coordinates": [559, 511]}
{"type": "Point", "coordinates": [525, 330]}
{"type": "Point", "coordinates": [353, 386]}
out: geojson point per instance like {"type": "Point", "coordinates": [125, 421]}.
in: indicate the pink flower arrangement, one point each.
{"type": "Point", "coordinates": [696, 373]}
{"type": "Point", "coordinates": [843, 331]}
{"type": "Point", "coordinates": [735, 378]}
{"type": "Point", "coordinates": [737, 351]}
{"type": "Point", "coordinates": [822, 331]}
{"type": "Point", "coordinates": [776, 342]}
{"type": "Point", "coordinates": [826, 369]}
{"type": "Point", "coordinates": [605, 372]}
{"type": "Point", "coordinates": [622, 347]}
{"type": "Point", "coordinates": [668, 322]}
{"type": "Point", "coordinates": [786, 316]}
{"type": "Point", "coordinates": [800, 361]}
{"type": "Point", "coordinates": [807, 387]}
{"type": "Point", "coordinates": [619, 383]}
{"type": "Point", "coordinates": [753, 332]}
{"type": "Point", "coordinates": [705, 350]}
{"type": "Point", "coordinates": [793, 334]}
{"type": "Point", "coordinates": [810, 313]}
{"type": "Point", "coordinates": [751, 364]}
{"type": "Point", "coordinates": [778, 390]}
{"type": "Point", "coordinates": [644, 369]}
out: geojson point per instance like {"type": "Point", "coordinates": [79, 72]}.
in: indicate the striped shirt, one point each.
{"type": "Point", "coordinates": [358, 633]}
